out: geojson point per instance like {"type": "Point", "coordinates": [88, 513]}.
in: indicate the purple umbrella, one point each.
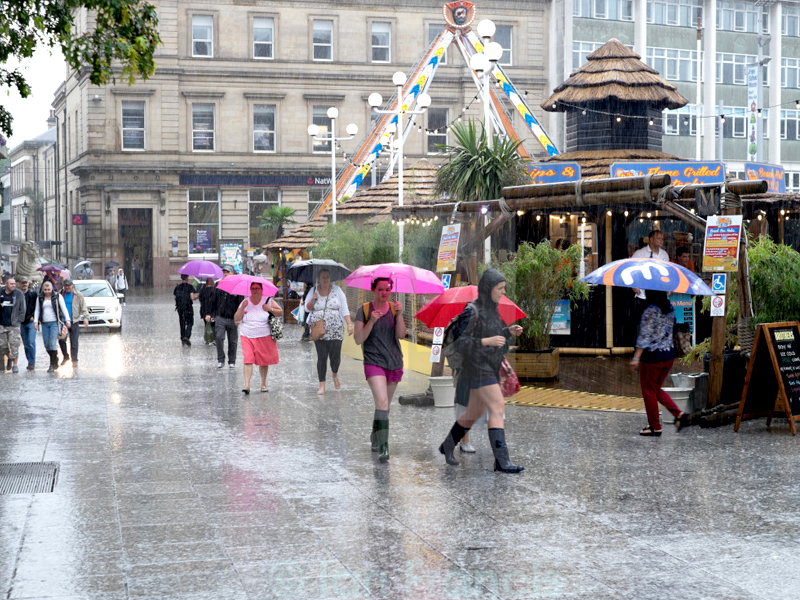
{"type": "Point", "coordinates": [51, 269]}
{"type": "Point", "coordinates": [202, 269]}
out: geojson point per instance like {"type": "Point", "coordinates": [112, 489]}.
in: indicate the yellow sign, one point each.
{"type": "Point", "coordinates": [448, 248]}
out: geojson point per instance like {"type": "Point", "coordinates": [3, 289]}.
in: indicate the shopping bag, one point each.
{"type": "Point", "coordinates": [208, 334]}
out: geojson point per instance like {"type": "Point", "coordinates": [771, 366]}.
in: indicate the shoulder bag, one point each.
{"type": "Point", "coordinates": [63, 332]}
{"type": "Point", "coordinates": [318, 327]}
{"type": "Point", "coordinates": [275, 325]}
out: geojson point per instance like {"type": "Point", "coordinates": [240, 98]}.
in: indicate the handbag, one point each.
{"type": "Point", "coordinates": [208, 335]}
{"type": "Point", "coordinates": [318, 327]}
{"type": "Point", "coordinates": [275, 325]}
{"type": "Point", "coordinates": [509, 382]}
{"type": "Point", "coordinates": [682, 342]}
{"type": "Point", "coordinates": [63, 332]}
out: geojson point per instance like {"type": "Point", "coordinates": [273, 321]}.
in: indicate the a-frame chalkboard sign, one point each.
{"type": "Point", "coordinates": [773, 373]}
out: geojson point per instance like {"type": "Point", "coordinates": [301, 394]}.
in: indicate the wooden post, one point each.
{"type": "Point", "coordinates": [716, 362]}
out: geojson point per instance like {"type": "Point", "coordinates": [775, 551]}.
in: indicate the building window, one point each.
{"type": "Point", "coordinates": [320, 118]}
{"type": "Point", "coordinates": [203, 127]}
{"type": "Point", "coordinates": [315, 198]}
{"type": "Point", "coordinates": [203, 220]}
{"type": "Point", "coordinates": [132, 125]}
{"type": "Point", "coordinates": [437, 129]}
{"type": "Point", "coordinates": [790, 20]}
{"type": "Point", "coordinates": [434, 29]}
{"type": "Point", "coordinates": [260, 199]}
{"type": "Point", "coordinates": [264, 128]}
{"type": "Point", "coordinates": [683, 13]}
{"type": "Point", "coordinates": [790, 73]}
{"type": "Point", "coordinates": [740, 16]}
{"type": "Point", "coordinates": [676, 65]}
{"type": "Point", "coordinates": [792, 181]}
{"type": "Point", "coordinates": [263, 38]}
{"type": "Point", "coordinates": [613, 10]}
{"type": "Point", "coordinates": [323, 40]}
{"type": "Point", "coordinates": [381, 42]}
{"type": "Point", "coordinates": [735, 125]}
{"type": "Point", "coordinates": [202, 35]}
{"type": "Point", "coordinates": [502, 36]}
{"type": "Point", "coordinates": [790, 125]}
{"type": "Point", "coordinates": [732, 68]}
{"type": "Point", "coordinates": [580, 50]}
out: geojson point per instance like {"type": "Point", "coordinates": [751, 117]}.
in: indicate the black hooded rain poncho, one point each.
{"type": "Point", "coordinates": [481, 363]}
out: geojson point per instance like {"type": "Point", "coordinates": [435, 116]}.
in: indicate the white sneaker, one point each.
{"type": "Point", "coordinates": [231, 366]}
{"type": "Point", "coordinates": [220, 365]}
{"type": "Point", "coordinates": [468, 448]}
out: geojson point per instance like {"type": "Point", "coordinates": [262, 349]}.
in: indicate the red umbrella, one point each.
{"type": "Point", "coordinates": [441, 310]}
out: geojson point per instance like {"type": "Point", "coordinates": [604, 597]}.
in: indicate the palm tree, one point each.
{"type": "Point", "coordinates": [475, 171]}
{"type": "Point", "coordinates": [275, 217]}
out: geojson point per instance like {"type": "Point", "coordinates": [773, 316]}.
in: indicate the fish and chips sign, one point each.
{"type": "Point", "coordinates": [680, 173]}
{"type": "Point", "coordinates": [555, 172]}
{"type": "Point", "coordinates": [772, 174]}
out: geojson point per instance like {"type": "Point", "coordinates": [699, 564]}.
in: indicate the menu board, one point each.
{"type": "Point", "coordinates": [721, 250]}
{"type": "Point", "coordinates": [773, 373]}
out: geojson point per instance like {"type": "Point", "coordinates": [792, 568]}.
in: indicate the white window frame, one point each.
{"type": "Point", "coordinates": [313, 205]}
{"type": "Point", "coordinates": [206, 191]}
{"type": "Point", "coordinates": [387, 27]}
{"type": "Point", "coordinates": [124, 129]}
{"type": "Point", "coordinates": [267, 23]}
{"type": "Point", "coordinates": [209, 40]}
{"type": "Point", "coordinates": [321, 45]}
{"type": "Point", "coordinates": [255, 196]}
{"type": "Point", "coordinates": [196, 131]}
{"type": "Point", "coordinates": [436, 138]}
{"type": "Point", "coordinates": [580, 50]}
{"type": "Point", "coordinates": [319, 117]}
{"type": "Point", "coordinates": [433, 31]}
{"type": "Point", "coordinates": [507, 59]}
{"type": "Point", "coordinates": [264, 131]}
{"type": "Point", "coordinates": [790, 65]}
{"type": "Point", "coordinates": [790, 20]}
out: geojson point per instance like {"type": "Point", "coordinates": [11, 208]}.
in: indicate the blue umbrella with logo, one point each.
{"type": "Point", "coordinates": [649, 274]}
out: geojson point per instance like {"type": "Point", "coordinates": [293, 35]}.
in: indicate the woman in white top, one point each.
{"type": "Point", "coordinates": [50, 311]}
{"type": "Point", "coordinates": [255, 334]}
{"type": "Point", "coordinates": [121, 285]}
{"type": "Point", "coordinates": [327, 303]}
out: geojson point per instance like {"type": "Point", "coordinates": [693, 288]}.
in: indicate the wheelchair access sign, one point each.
{"type": "Point", "coordinates": [718, 281]}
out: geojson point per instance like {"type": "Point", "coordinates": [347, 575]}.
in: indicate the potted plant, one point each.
{"type": "Point", "coordinates": [537, 278]}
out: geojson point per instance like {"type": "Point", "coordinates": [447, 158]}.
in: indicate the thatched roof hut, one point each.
{"type": "Point", "coordinates": [614, 101]}
{"type": "Point", "coordinates": [368, 205]}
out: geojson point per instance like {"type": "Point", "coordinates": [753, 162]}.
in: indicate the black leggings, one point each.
{"type": "Point", "coordinates": [326, 348]}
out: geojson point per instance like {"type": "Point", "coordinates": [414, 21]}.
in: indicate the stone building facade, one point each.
{"type": "Point", "coordinates": [168, 167]}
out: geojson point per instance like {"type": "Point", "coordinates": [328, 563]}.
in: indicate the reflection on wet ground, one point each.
{"type": "Point", "coordinates": [174, 484]}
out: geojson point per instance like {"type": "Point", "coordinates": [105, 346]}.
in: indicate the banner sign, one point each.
{"type": "Point", "coordinates": [561, 319]}
{"type": "Point", "coordinates": [752, 114]}
{"type": "Point", "coordinates": [721, 249]}
{"type": "Point", "coordinates": [555, 172]}
{"type": "Point", "coordinates": [772, 173]}
{"type": "Point", "coordinates": [309, 180]}
{"type": "Point", "coordinates": [683, 304]}
{"type": "Point", "coordinates": [203, 240]}
{"type": "Point", "coordinates": [231, 252]}
{"type": "Point", "coordinates": [448, 248]}
{"type": "Point", "coordinates": [680, 173]}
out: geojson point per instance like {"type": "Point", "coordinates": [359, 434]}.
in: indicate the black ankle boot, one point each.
{"type": "Point", "coordinates": [382, 436]}
{"type": "Point", "coordinates": [497, 437]}
{"type": "Point", "coordinates": [447, 448]}
{"type": "Point", "coordinates": [53, 360]}
{"type": "Point", "coordinates": [373, 437]}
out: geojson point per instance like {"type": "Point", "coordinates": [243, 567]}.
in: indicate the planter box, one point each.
{"type": "Point", "coordinates": [535, 365]}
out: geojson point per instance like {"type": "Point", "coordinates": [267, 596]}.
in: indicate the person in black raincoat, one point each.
{"type": "Point", "coordinates": [482, 341]}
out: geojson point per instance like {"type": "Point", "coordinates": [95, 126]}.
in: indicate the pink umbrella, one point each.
{"type": "Point", "coordinates": [405, 278]}
{"type": "Point", "coordinates": [239, 285]}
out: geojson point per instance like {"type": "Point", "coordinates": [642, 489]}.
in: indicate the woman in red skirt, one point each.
{"type": "Point", "coordinates": [255, 334]}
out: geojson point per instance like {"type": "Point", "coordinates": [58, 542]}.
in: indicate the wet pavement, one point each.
{"type": "Point", "coordinates": [173, 484]}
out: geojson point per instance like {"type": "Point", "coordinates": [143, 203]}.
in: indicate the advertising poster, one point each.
{"type": "Point", "coordinates": [231, 252]}
{"type": "Point", "coordinates": [561, 319]}
{"type": "Point", "coordinates": [721, 249]}
{"type": "Point", "coordinates": [680, 173]}
{"type": "Point", "coordinates": [203, 240]}
{"type": "Point", "coordinates": [448, 248]}
{"type": "Point", "coordinates": [773, 174]}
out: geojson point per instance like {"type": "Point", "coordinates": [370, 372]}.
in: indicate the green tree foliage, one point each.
{"type": "Point", "coordinates": [124, 34]}
{"type": "Point", "coordinates": [774, 281]}
{"type": "Point", "coordinates": [474, 171]}
{"type": "Point", "coordinates": [354, 246]}
{"type": "Point", "coordinates": [421, 245]}
{"type": "Point", "coordinates": [275, 218]}
{"type": "Point", "coordinates": [537, 277]}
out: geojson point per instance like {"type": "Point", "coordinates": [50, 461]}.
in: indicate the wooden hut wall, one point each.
{"type": "Point", "coordinates": [600, 130]}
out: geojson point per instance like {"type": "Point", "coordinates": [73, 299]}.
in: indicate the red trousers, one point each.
{"type": "Point", "coordinates": [652, 376]}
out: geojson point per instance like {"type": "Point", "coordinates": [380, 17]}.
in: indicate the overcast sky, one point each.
{"type": "Point", "coordinates": [44, 73]}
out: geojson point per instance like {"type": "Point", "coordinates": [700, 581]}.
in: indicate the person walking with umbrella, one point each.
{"type": "Point", "coordinates": [481, 337]}
{"type": "Point", "coordinates": [327, 305]}
{"type": "Point", "coordinates": [222, 309]}
{"type": "Point", "coordinates": [379, 325]}
{"type": "Point", "coordinates": [258, 346]}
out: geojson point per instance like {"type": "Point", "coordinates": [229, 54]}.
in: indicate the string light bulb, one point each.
{"type": "Point", "coordinates": [722, 119]}
{"type": "Point", "coordinates": [797, 104]}
{"type": "Point", "coordinates": [619, 119]}
{"type": "Point", "coordinates": [584, 112]}
{"type": "Point", "coordinates": [609, 213]}
{"type": "Point", "coordinates": [650, 122]}
{"type": "Point", "coordinates": [625, 213]}
{"type": "Point", "coordinates": [538, 217]}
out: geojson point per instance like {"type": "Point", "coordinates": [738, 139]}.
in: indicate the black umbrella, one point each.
{"type": "Point", "coordinates": [111, 264]}
{"type": "Point", "coordinates": [307, 271]}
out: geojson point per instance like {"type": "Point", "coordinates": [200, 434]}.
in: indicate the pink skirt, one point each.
{"type": "Point", "coordinates": [261, 351]}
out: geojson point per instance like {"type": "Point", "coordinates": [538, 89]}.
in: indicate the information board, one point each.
{"type": "Point", "coordinates": [773, 373]}
{"type": "Point", "coordinates": [231, 252]}
{"type": "Point", "coordinates": [448, 248]}
{"type": "Point", "coordinates": [721, 249]}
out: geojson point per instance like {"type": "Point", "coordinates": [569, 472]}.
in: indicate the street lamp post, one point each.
{"type": "Point", "coordinates": [313, 131]}
{"type": "Point", "coordinates": [483, 63]}
{"type": "Point", "coordinates": [423, 101]}
{"type": "Point", "coordinates": [25, 218]}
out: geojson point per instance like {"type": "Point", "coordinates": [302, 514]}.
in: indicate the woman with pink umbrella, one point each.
{"type": "Point", "coordinates": [482, 339]}
{"type": "Point", "coordinates": [379, 326]}
{"type": "Point", "coordinates": [258, 347]}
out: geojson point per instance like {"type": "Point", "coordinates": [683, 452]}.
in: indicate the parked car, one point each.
{"type": "Point", "coordinates": [102, 302]}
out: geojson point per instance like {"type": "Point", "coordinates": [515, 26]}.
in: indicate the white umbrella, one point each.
{"type": "Point", "coordinates": [82, 265]}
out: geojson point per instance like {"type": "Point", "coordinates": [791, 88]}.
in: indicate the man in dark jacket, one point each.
{"type": "Point", "coordinates": [26, 329]}
{"type": "Point", "coordinates": [206, 295]}
{"type": "Point", "coordinates": [222, 308]}
{"type": "Point", "coordinates": [12, 312]}
{"type": "Point", "coordinates": [184, 297]}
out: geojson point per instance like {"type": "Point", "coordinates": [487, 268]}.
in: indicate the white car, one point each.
{"type": "Point", "coordinates": [102, 302]}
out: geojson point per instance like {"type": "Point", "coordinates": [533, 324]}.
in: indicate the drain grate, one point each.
{"type": "Point", "coordinates": [28, 478]}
